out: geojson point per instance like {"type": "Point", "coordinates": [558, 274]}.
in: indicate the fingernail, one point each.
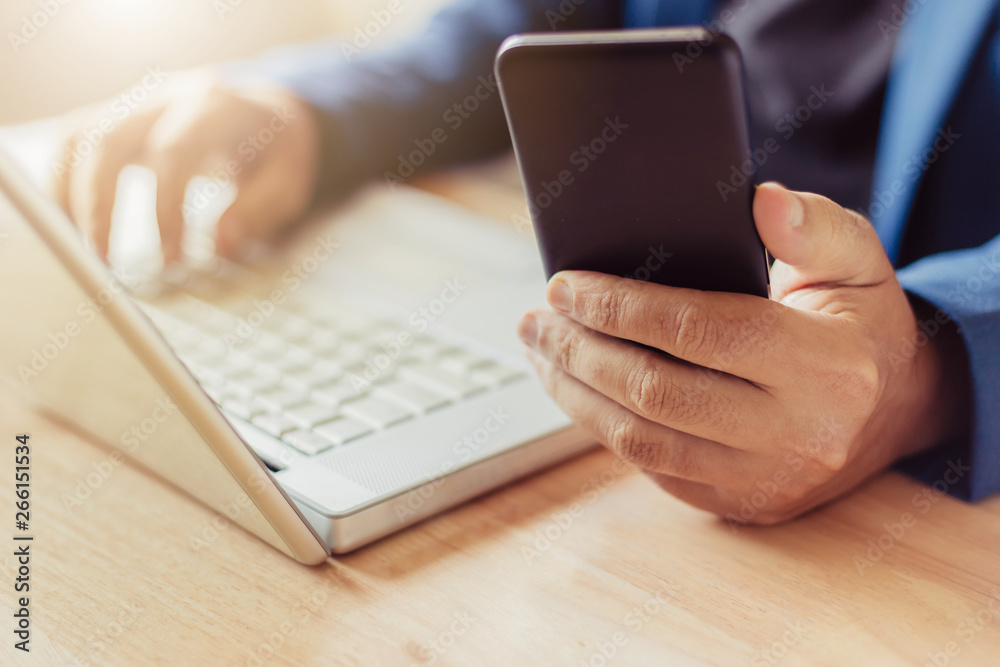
{"type": "Point", "coordinates": [528, 330]}
{"type": "Point", "coordinates": [796, 212]}
{"type": "Point", "coordinates": [560, 296]}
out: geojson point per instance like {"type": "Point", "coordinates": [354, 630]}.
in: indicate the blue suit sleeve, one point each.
{"type": "Point", "coordinates": [964, 286]}
{"type": "Point", "coordinates": [428, 102]}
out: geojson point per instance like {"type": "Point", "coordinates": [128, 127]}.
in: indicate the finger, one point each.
{"type": "Point", "coordinates": [692, 399]}
{"type": "Point", "coordinates": [743, 335]}
{"type": "Point", "coordinates": [178, 146]}
{"type": "Point", "coordinates": [94, 184]}
{"type": "Point", "coordinates": [652, 447]}
{"type": "Point", "coordinates": [822, 240]}
{"type": "Point", "coordinates": [265, 202]}
{"type": "Point", "coordinates": [62, 173]}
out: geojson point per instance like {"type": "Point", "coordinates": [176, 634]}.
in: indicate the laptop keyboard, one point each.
{"type": "Point", "coordinates": [319, 376]}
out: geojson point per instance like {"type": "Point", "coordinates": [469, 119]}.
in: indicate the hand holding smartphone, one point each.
{"type": "Point", "coordinates": [626, 142]}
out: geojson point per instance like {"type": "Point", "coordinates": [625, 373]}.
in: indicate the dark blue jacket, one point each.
{"type": "Point", "coordinates": [936, 191]}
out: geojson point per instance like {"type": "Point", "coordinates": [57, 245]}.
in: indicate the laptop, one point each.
{"type": "Point", "coordinates": [366, 379]}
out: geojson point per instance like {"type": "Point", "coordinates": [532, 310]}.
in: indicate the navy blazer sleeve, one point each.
{"type": "Point", "coordinates": [964, 286]}
{"type": "Point", "coordinates": [430, 101]}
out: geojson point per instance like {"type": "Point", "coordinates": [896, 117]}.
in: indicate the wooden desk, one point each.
{"type": "Point", "coordinates": [587, 564]}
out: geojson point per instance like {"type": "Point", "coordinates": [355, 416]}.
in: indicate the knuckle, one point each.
{"type": "Point", "coordinates": [861, 380]}
{"type": "Point", "coordinates": [826, 451]}
{"type": "Point", "coordinates": [832, 459]}
{"type": "Point", "coordinates": [627, 442]}
{"type": "Point", "coordinates": [856, 225]}
{"type": "Point", "coordinates": [608, 309]}
{"type": "Point", "coordinates": [562, 346]}
{"type": "Point", "coordinates": [650, 393]}
{"type": "Point", "coordinates": [566, 351]}
{"type": "Point", "coordinates": [695, 336]}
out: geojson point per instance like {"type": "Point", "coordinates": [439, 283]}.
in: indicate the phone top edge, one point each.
{"type": "Point", "coordinates": [630, 36]}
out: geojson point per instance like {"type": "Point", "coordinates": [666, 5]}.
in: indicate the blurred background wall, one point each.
{"type": "Point", "coordinates": [57, 55]}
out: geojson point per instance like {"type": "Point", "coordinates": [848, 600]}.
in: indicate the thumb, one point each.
{"type": "Point", "coordinates": [821, 240]}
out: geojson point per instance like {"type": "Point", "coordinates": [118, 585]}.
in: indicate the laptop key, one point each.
{"type": "Point", "coordinates": [272, 424]}
{"type": "Point", "coordinates": [266, 347]}
{"type": "Point", "coordinates": [411, 396]}
{"type": "Point", "coordinates": [460, 362]}
{"type": "Point", "coordinates": [293, 359]}
{"type": "Point", "coordinates": [244, 409]}
{"type": "Point", "coordinates": [295, 329]}
{"type": "Point", "coordinates": [253, 383]}
{"type": "Point", "coordinates": [343, 430]}
{"type": "Point", "coordinates": [237, 362]}
{"type": "Point", "coordinates": [337, 392]}
{"type": "Point", "coordinates": [310, 415]}
{"type": "Point", "coordinates": [322, 341]}
{"type": "Point", "coordinates": [317, 375]}
{"type": "Point", "coordinates": [495, 374]}
{"type": "Point", "coordinates": [280, 399]}
{"type": "Point", "coordinates": [439, 380]}
{"type": "Point", "coordinates": [376, 412]}
{"type": "Point", "coordinates": [307, 442]}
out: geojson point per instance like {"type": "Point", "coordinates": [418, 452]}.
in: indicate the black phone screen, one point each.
{"type": "Point", "coordinates": [636, 159]}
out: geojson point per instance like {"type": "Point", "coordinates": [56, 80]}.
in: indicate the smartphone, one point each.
{"type": "Point", "coordinates": [634, 151]}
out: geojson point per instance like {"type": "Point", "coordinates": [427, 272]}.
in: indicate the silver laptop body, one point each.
{"type": "Point", "coordinates": [368, 381]}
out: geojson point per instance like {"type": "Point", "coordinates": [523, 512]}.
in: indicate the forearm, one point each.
{"type": "Point", "coordinates": [428, 102]}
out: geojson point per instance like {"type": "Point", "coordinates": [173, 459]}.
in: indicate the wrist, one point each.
{"type": "Point", "coordinates": [937, 389]}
